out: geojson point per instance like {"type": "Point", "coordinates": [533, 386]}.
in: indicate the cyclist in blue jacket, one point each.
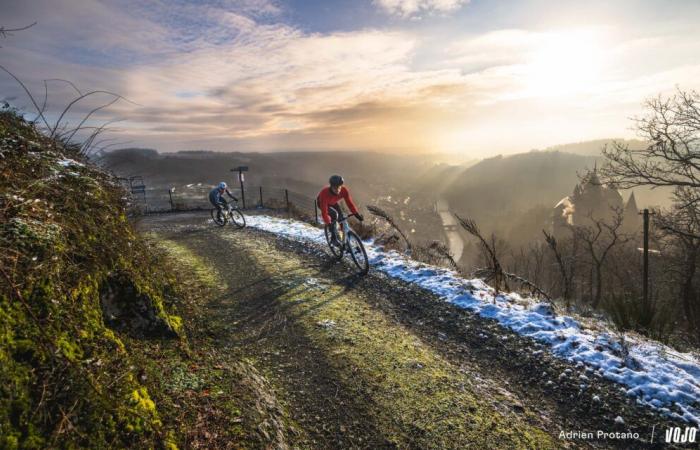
{"type": "Point", "coordinates": [216, 197]}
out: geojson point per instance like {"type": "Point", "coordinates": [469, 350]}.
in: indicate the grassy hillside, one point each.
{"type": "Point", "coordinates": [75, 282]}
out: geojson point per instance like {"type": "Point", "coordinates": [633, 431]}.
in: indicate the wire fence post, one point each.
{"type": "Point", "coordinates": [170, 193]}
{"type": "Point", "coordinates": [316, 210]}
{"type": "Point", "coordinates": [645, 286]}
{"type": "Point", "coordinates": [261, 198]}
{"type": "Point", "coordinates": [286, 199]}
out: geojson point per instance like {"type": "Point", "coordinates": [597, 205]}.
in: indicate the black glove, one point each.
{"type": "Point", "coordinates": [360, 217]}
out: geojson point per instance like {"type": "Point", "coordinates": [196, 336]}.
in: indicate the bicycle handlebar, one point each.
{"type": "Point", "coordinates": [346, 217]}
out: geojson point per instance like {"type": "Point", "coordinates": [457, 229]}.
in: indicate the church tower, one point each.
{"type": "Point", "coordinates": [631, 221]}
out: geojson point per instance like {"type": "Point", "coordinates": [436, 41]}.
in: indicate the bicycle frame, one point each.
{"type": "Point", "coordinates": [343, 221]}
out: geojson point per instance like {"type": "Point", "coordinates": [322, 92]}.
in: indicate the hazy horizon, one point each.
{"type": "Point", "coordinates": [473, 79]}
{"type": "Point", "coordinates": [588, 147]}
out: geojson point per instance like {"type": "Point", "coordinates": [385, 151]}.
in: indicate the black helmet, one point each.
{"type": "Point", "coordinates": [336, 180]}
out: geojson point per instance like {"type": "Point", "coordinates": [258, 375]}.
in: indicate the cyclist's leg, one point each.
{"type": "Point", "coordinates": [335, 213]}
{"type": "Point", "coordinates": [220, 210]}
{"type": "Point", "coordinates": [216, 206]}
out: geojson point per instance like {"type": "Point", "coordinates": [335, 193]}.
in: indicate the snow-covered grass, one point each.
{"type": "Point", "coordinates": [655, 374]}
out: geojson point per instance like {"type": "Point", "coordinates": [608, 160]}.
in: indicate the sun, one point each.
{"type": "Point", "coordinates": [564, 63]}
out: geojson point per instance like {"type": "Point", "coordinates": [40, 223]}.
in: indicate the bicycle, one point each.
{"type": "Point", "coordinates": [231, 214]}
{"type": "Point", "coordinates": [349, 241]}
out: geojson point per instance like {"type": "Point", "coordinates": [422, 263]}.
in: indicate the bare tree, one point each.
{"type": "Point", "coordinates": [565, 266]}
{"type": "Point", "coordinates": [494, 273]}
{"type": "Point", "coordinates": [599, 238]}
{"type": "Point", "coordinates": [682, 225]}
{"type": "Point", "coordinates": [672, 157]}
{"type": "Point", "coordinates": [530, 261]}
{"type": "Point", "coordinates": [436, 252]}
{"type": "Point", "coordinates": [377, 211]}
{"type": "Point", "coordinates": [4, 32]}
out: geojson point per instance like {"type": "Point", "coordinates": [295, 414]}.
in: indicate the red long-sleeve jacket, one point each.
{"type": "Point", "coordinates": [327, 198]}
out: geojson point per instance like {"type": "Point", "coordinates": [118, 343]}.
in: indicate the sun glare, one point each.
{"type": "Point", "coordinates": [563, 64]}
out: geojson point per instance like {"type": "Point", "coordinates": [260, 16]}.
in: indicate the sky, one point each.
{"type": "Point", "coordinates": [473, 78]}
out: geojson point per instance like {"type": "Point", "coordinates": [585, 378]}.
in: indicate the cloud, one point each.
{"type": "Point", "coordinates": [233, 75]}
{"type": "Point", "coordinates": [257, 80]}
{"type": "Point", "coordinates": [412, 8]}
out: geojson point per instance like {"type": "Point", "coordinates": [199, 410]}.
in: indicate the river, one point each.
{"type": "Point", "coordinates": [449, 223]}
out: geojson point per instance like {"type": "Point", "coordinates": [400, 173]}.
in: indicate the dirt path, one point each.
{"type": "Point", "coordinates": [374, 363]}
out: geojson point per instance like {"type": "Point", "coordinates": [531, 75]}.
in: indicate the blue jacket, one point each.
{"type": "Point", "coordinates": [216, 198]}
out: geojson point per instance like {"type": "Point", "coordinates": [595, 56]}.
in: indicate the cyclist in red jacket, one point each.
{"type": "Point", "coordinates": [328, 200]}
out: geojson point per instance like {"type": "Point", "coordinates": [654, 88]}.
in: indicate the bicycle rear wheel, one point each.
{"type": "Point", "coordinates": [336, 251]}
{"type": "Point", "coordinates": [237, 218]}
{"type": "Point", "coordinates": [357, 252]}
{"type": "Point", "coordinates": [219, 219]}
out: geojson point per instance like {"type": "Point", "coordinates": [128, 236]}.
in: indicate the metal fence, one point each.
{"type": "Point", "coordinates": [194, 197]}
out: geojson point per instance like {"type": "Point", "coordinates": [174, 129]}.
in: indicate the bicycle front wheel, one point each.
{"type": "Point", "coordinates": [358, 252]}
{"type": "Point", "coordinates": [219, 219]}
{"type": "Point", "coordinates": [237, 218]}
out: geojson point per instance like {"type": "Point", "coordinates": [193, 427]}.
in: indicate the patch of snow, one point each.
{"type": "Point", "coordinates": [312, 282]}
{"type": "Point", "coordinates": [658, 376]}
{"type": "Point", "coordinates": [66, 162]}
{"type": "Point", "coordinates": [326, 323]}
